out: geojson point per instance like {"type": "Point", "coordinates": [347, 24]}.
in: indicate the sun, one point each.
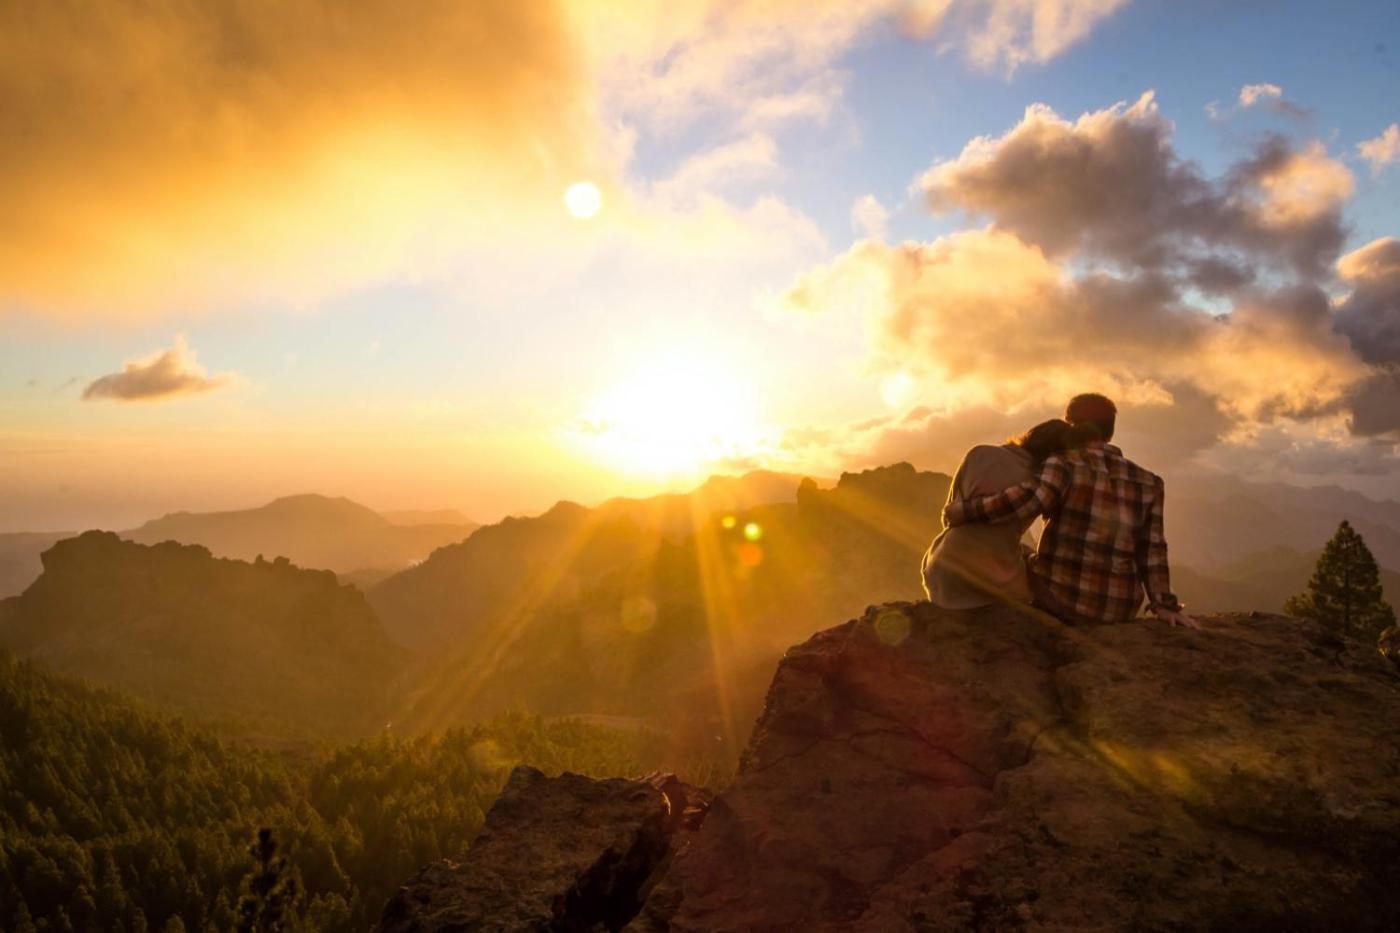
{"type": "Point", "coordinates": [677, 416]}
{"type": "Point", "coordinates": [583, 199]}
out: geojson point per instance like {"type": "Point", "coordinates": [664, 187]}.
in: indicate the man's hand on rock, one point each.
{"type": "Point", "coordinates": [1175, 617]}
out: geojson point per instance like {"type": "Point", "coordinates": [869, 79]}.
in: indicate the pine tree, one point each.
{"type": "Point", "coordinates": [267, 907]}
{"type": "Point", "coordinates": [1345, 590]}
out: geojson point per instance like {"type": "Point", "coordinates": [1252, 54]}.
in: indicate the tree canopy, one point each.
{"type": "Point", "coordinates": [1345, 590]}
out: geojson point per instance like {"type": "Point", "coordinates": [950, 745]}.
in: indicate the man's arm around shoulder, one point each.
{"type": "Point", "coordinates": [1037, 496]}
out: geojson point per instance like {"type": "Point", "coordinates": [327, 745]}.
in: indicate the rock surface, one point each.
{"type": "Point", "coordinates": [926, 770]}
{"type": "Point", "coordinates": [566, 853]}
{"type": "Point", "coordinates": [920, 769]}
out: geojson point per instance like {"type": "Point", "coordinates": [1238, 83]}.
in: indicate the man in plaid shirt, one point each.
{"type": "Point", "coordinates": [1103, 544]}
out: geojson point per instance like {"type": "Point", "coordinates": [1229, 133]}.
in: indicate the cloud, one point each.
{"type": "Point", "coordinates": [1375, 406]}
{"type": "Point", "coordinates": [767, 62]}
{"type": "Point", "coordinates": [164, 374]}
{"type": "Point", "coordinates": [869, 217]}
{"type": "Point", "coordinates": [1110, 263]}
{"type": "Point", "coordinates": [1383, 150]}
{"type": "Point", "coordinates": [991, 320]}
{"type": "Point", "coordinates": [1110, 186]}
{"type": "Point", "coordinates": [176, 156]}
{"type": "Point", "coordinates": [167, 153]}
{"type": "Point", "coordinates": [1252, 94]}
{"type": "Point", "coordinates": [1003, 35]}
{"type": "Point", "coordinates": [710, 170]}
{"type": "Point", "coordinates": [1370, 315]}
{"type": "Point", "coordinates": [1265, 95]}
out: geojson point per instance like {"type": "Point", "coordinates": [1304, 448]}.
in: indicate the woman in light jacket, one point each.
{"type": "Point", "coordinates": [980, 564]}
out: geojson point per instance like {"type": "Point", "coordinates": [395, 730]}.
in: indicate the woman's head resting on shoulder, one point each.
{"type": "Point", "coordinates": [1045, 439]}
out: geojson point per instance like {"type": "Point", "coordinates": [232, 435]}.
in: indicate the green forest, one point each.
{"type": "Point", "coordinates": [115, 817]}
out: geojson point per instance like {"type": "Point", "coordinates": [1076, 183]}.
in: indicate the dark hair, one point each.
{"type": "Point", "coordinates": [1043, 440]}
{"type": "Point", "coordinates": [1093, 416]}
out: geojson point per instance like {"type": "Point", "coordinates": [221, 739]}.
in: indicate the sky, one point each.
{"type": "Point", "coordinates": [257, 249]}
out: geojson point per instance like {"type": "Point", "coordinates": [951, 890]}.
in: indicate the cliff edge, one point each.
{"type": "Point", "coordinates": [925, 770]}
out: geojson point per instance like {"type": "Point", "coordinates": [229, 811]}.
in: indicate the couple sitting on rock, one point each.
{"type": "Point", "coordinates": [1102, 546]}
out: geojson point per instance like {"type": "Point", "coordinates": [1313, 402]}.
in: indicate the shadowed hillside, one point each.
{"type": "Point", "coordinates": [270, 645]}
{"type": "Point", "coordinates": [463, 590]}
{"type": "Point", "coordinates": [579, 612]}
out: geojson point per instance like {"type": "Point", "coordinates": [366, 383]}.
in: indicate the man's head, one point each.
{"type": "Point", "coordinates": [1093, 415]}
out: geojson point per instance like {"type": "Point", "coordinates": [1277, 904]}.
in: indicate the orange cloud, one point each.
{"type": "Point", "coordinates": [1370, 314]}
{"type": "Point", "coordinates": [1090, 275]}
{"type": "Point", "coordinates": [1110, 185]}
{"type": "Point", "coordinates": [160, 154]}
{"type": "Point", "coordinates": [164, 374]}
{"type": "Point", "coordinates": [164, 156]}
{"type": "Point", "coordinates": [1383, 150]}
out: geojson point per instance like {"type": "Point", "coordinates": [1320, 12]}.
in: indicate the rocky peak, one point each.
{"type": "Point", "coordinates": [919, 769]}
{"type": "Point", "coordinates": [565, 853]}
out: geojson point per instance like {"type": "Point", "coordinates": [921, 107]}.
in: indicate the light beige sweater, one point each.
{"type": "Point", "coordinates": [979, 564]}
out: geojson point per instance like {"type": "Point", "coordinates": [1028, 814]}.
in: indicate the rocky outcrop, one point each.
{"type": "Point", "coordinates": [926, 770]}
{"type": "Point", "coordinates": [566, 853]}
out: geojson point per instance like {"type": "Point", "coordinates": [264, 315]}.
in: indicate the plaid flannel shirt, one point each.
{"type": "Point", "coordinates": [1103, 542]}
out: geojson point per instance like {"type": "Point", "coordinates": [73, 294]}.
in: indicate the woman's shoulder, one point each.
{"type": "Point", "coordinates": [998, 453]}
{"type": "Point", "coordinates": [991, 468]}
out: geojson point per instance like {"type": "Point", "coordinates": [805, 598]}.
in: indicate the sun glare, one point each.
{"type": "Point", "coordinates": [674, 417]}
{"type": "Point", "coordinates": [583, 199]}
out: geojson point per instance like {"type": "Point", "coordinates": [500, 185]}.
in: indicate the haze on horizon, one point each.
{"type": "Point", "coordinates": [490, 256]}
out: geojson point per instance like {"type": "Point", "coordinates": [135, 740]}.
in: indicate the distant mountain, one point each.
{"type": "Point", "coordinates": [428, 517]}
{"type": "Point", "coordinates": [262, 646]}
{"type": "Point", "coordinates": [1261, 581]}
{"type": "Point", "coordinates": [19, 558]}
{"type": "Point", "coordinates": [588, 611]}
{"type": "Point", "coordinates": [1215, 521]}
{"type": "Point", "coordinates": [310, 530]}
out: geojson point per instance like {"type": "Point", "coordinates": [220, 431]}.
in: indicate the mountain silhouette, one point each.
{"type": "Point", "coordinates": [310, 530]}
{"type": "Point", "coordinates": [1262, 582]}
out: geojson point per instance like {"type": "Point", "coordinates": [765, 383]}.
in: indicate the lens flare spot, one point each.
{"type": "Point", "coordinates": [891, 626]}
{"type": "Point", "coordinates": [638, 614]}
{"type": "Point", "coordinates": [753, 531]}
{"type": "Point", "coordinates": [750, 555]}
{"type": "Point", "coordinates": [728, 522]}
{"type": "Point", "coordinates": [583, 199]}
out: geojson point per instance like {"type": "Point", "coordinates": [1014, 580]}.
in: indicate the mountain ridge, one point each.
{"type": "Point", "coordinates": [263, 645]}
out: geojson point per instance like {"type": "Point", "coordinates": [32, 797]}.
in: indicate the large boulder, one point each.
{"type": "Point", "coordinates": [920, 769]}
{"type": "Point", "coordinates": [567, 853]}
